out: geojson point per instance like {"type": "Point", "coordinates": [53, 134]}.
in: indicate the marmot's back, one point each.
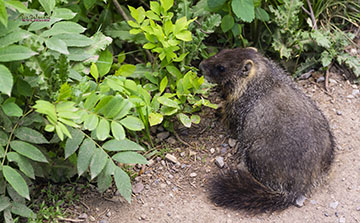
{"type": "Point", "coordinates": [285, 140]}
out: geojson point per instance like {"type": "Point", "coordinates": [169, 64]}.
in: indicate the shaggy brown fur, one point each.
{"type": "Point", "coordinates": [285, 141]}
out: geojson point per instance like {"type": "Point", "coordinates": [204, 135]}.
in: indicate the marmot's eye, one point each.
{"type": "Point", "coordinates": [220, 68]}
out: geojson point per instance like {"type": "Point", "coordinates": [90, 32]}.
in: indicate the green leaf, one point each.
{"type": "Point", "coordinates": [244, 9]}
{"type": "Point", "coordinates": [97, 163]}
{"type": "Point", "coordinates": [125, 106]}
{"type": "Point", "coordinates": [94, 71]}
{"type": "Point", "coordinates": [117, 130]}
{"type": "Point", "coordinates": [18, 6]}
{"type": "Point", "coordinates": [129, 157]}
{"type": "Point", "coordinates": [4, 203]}
{"type": "Point", "coordinates": [149, 46]}
{"type": "Point", "coordinates": [126, 70]}
{"type": "Point", "coordinates": [174, 71]}
{"type": "Point", "coordinates": [227, 23]}
{"type": "Point", "coordinates": [16, 181]}
{"type": "Point", "coordinates": [104, 62]}
{"type": "Point", "coordinates": [72, 144]}
{"type": "Point", "coordinates": [103, 129]}
{"type": "Point", "coordinates": [168, 102]}
{"type": "Point", "coordinates": [57, 45]}
{"type": "Point", "coordinates": [122, 145]}
{"type": "Point", "coordinates": [163, 84]}
{"type": "Point", "coordinates": [15, 52]}
{"type": "Point", "coordinates": [132, 123]}
{"type": "Point", "coordinates": [63, 13]}
{"type": "Point", "coordinates": [185, 120]}
{"type": "Point", "coordinates": [75, 39]}
{"type": "Point", "coordinates": [48, 5]}
{"type": "Point", "coordinates": [91, 122]}
{"type": "Point", "coordinates": [321, 39]}
{"type": "Point", "coordinates": [103, 181]}
{"type": "Point", "coordinates": [261, 14]}
{"type": "Point", "coordinates": [138, 14]}
{"type": "Point", "coordinates": [184, 35]}
{"type": "Point", "coordinates": [86, 151]}
{"type": "Point", "coordinates": [22, 210]}
{"type": "Point", "coordinates": [166, 4]}
{"type": "Point", "coordinates": [8, 217]}
{"type": "Point", "coordinates": [23, 163]}
{"type": "Point", "coordinates": [91, 100]}
{"type": "Point", "coordinates": [63, 27]}
{"type": "Point", "coordinates": [6, 80]}
{"type": "Point", "coordinates": [3, 13]}
{"type": "Point", "coordinates": [155, 118]}
{"type": "Point", "coordinates": [195, 119]}
{"type": "Point", "coordinates": [46, 108]}
{"type": "Point", "coordinates": [28, 150]}
{"type": "Point", "coordinates": [10, 108]}
{"type": "Point", "coordinates": [30, 135]}
{"type": "Point", "coordinates": [89, 3]}
{"type": "Point", "coordinates": [155, 7]}
{"type": "Point", "coordinates": [215, 5]}
{"type": "Point", "coordinates": [14, 37]}
{"type": "Point", "coordinates": [123, 184]}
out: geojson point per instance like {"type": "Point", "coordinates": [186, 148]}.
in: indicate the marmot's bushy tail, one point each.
{"type": "Point", "coordinates": [239, 190]}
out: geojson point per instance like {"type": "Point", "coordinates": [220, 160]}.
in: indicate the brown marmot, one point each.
{"type": "Point", "coordinates": [285, 142]}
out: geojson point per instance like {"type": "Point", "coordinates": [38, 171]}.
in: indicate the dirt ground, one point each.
{"type": "Point", "coordinates": [171, 192]}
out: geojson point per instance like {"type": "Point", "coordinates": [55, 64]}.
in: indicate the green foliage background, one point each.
{"type": "Point", "coordinates": [83, 81]}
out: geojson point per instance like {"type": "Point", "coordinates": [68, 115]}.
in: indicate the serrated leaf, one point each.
{"type": "Point", "coordinates": [16, 181]}
{"type": "Point", "coordinates": [126, 70]}
{"type": "Point", "coordinates": [14, 53]}
{"type": "Point", "coordinates": [57, 45]}
{"type": "Point", "coordinates": [30, 135]}
{"type": "Point", "coordinates": [104, 62]}
{"type": "Point", "coordinates": [97, 163]}
{"type": "Point", "coordinates": [155, 118]}
{"type": "Point", "coordinates": [103, 129]}
{"type": "Point", "coordinates": [72, 144]}
{"type": "Point", "coordinates": [129, 158]}
{"type": "Point", "coordinates": [6, 80]}
{"type": "Point", "coordinates": [48, 5]}
{"type": "Point", "coordinates": [122, 182]}
{"type": "Point", "coordinates": [132, 123]}
{"type": "Point", "coordinates": [117, 130]}
{"type": "Point", "coordinates": [28, 151]}
{"type": "Point", "coordinates": [244, 9]}
{"type": "Point", "coordinates": [122, 145]}
{"type": "Point", "coordinates": [86, 151]}
{"type": "Point", "coordinates": [22, 210]}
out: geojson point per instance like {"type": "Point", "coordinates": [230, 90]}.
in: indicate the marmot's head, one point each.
{"type": "Point", "coordinates": [232, 69]}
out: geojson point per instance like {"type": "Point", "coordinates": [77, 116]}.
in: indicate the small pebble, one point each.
{"type": "Point", "coordinates": [171, 158]}
{"type": "Point", "coordinates": [142, 217]}
{"type": "Point", "coordinates": [169, 214]}
{"type": "Point", "coordinates": [358, 208]}
{"type": "Point", "coordinates": [341, 220]}
{"type": "Point", "coordinates": [91, 218]}
{"type": "Point", "coordinates": [137, 188]}
{"type": "Point", "coordinates": [320, 79]}
{"type": "Point", "coordinates": [162, 135]}
{"type": "Point", "coordinates": [313, 202]}
{"type": "Point", "coordinates": [108, 214]}
{"type": "Point", "coordinates": [334, 204]}
{"type": "Point", "coordinates": [350, 96]}
{"type": "Point", "coordinates": [300, 201]}
{"type": "Point", "coordinates": [182, 154]}
{"type": "Point", "coordinates": [232, 142]}
{"type": "Point", "coordinates": [193, 175]}
{"type": "Point", "coordinates": [223, 150]}
{"type": "Point", "coordinates": [326, 214]}
{"type": "Point", "coordinates": [150, 162]}
{"type": "Point", "coordinates": [219, 161]}
{"type": "Point", "coordinates": [212, 150]}
{"type": "Point", "coordinates": [183, 166]}
{"type": "Point", "coordinates": [162, 186]}
{"type": "Point", "coordinates": [338, 112]}
{"type": "Point", "coordinates": [171, 140]}
{"type": "Point", "coordinates": [332, 81]}
{"type": "Point", "coordinates": [355, 92]}
{"type": "Point", "coordinates": [103, 221]}
{"type": "Point", "coordinates": [83, 216]}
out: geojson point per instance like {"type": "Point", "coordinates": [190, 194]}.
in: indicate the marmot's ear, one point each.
{"type": "Point", "coordinates": [246, 68]}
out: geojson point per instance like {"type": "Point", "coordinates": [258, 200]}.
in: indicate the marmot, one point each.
{"type": "Point", "coordinates": [285, 142]}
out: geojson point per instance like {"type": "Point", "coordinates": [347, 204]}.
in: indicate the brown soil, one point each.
{"type": "Point", "coordinates": [173, 194]}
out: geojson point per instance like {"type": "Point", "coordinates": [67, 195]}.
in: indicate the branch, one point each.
{"type": "Point", "coordinates": [312, 15]}
{"type": "Point", "coordinates": [120, 10]}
